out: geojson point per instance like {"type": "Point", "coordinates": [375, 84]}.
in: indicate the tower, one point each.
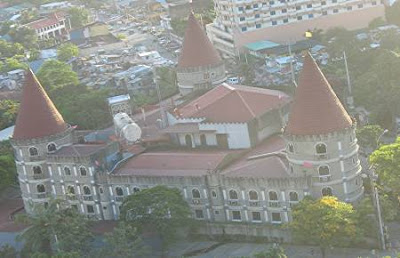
{"type": "Point", "coordinates": [320, 137]}
{"type": "Point", "coordinates": [40, 129]}
{"type": "Point", "coordinates": [199, 65]}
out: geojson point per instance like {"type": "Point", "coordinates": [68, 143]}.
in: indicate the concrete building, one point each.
{"type": "Point", "coordinates": [250, 177]}
{"type": "Point", "coordinates": [54, 25]}
{"type": "Point", "coordinates": [199, 65]}
{"type": "Point", "coordinates": [241, 22]}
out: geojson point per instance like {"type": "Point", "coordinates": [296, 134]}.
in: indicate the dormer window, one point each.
{"type": "Point", "coordinates": [83, 171]}
{"type": "Point", "coordinates": [33, 151]}
{"type": "Point", "coordinates": [290, 148]}
{"type": "Point", "coordinates": [51, 147]}
{"type": "Point", "coordinates": [320, 148]}
{"type": "Point", "coordinates": [195, 194]}
{"type": "Point", "coordinates": [233, 195]}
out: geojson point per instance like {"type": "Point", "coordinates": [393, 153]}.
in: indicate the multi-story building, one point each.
{"type": "Point", "coordinates": [199, 65]}
{"type": "Point", "coordinates": [242, 177]}
{"type": "Point", "coordinates": [240, 22]}
{"type": "Point", "coordinates": [52, 26]}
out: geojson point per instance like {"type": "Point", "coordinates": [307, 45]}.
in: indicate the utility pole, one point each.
{"type": "Point", "coordinates": [350, 100]}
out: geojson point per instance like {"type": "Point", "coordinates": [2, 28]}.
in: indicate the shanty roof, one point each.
{"type": "Point", "coordinates": [37, 116]}
{"type": "Point", "coordinates": [316, 108]}
{"type": "Point", "coordinates": [233, 104]}
{"type": "Point", "coordinates": [197, 50]}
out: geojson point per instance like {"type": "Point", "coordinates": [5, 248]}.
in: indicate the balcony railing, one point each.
{"type": "Point", "coordinates": [274, 204]}
{"type": "Point", "coordinates": [233, 203]}
{"type": "Point", "coordinates": [36, 158]}
{"type": "Point", "coordinates": [323, 179]}
{"type": "Point", "coordinates": [196, 201]}
{"type": "Point", "coordinates": [254, 203]}
{"type": "Point", "coordinates": [87, 198]}
{"type": "Point", "coordinates": [38, 176]}
{"type": "Point", "coordinates": [41, 195]}
{"type": "Point", "coordinates": [322, 156]}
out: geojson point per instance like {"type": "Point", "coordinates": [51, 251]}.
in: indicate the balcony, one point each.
{"type": "Point", "coordinates": [233, 203]}
{"type": "Point", "coordinates": [274, 204]}
{"type": "Point", "coordinates": [254, 203]}
{"type": "Point", "coordinates": [36, 158]}
{"type": "Point", "coordinates": [322, 156]}
{"type": "Point", "coordinates": [41, 195]}
{"type": "Point", "coordinates": [119, 198]}
{"type": "Point", "coordinates": [196, 202]}
{"type": "Point", "coordinates": [292, 204]}
{"type": "Point", "coordinates": [38, 176]}
{"type": "Point", "coordinates": [323, 179]}
{"type": "Point", "coordinates": [87, 198]}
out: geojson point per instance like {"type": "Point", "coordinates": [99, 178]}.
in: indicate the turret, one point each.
{"type": "Point", "coordinates": [320, 137]}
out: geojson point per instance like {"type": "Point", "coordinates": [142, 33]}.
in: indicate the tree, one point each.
{"type": "Point", "coordinates": [67, 51]}
{"type": "Point", "coordinates": [375, 23]}
{"type": "Point", "coordinates": [273, 252]}
{"type": "Point", "coordinates": [79, 16]}
{"type": "Point", "coordinates": [392, 13]}
{"type": "Point", "coordinates": [55, 74]}
{"type": "Point", "coordinates": [8, 113]}
{"type": "Point", "coordinates": [25, 36]}
{"type": "Point", "coordinates": [123, 242]}
{"type": "Point", "coordinates": [326, 222]}
{"type": "Point", "coordinates": [10, 49]}
{"type": "Point", "coordinates": [7, 251]}
{"type": "Point", "coordinates": [13, 63]}
{"type": "Point", "coordinates": [368, 135]}
{"type": "Point", "coordinates": [56, 227]}
{"type": "Point", "coordinates": [160, 208]}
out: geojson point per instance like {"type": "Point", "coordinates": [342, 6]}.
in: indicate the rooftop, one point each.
{"type": "Point", "coordinates": [261, 45]}
{"type": "Point", "coordinates": [233, 104]}
{"type": "Point", "coordinates": [79, 150]}
{"type": "Point", "coordinates": [119, 98]}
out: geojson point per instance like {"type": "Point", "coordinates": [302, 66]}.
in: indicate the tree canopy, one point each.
{"type": "Point", "coordinates": [56, 74]}
{"type": "Point", "coordinates": [10, 49]}
{"type": "Point", "coordinates": [392, 13]}
{"type": "Point", "coordinates": [8, 112]}
{"type": "Point", "coordinates": [25, 36]}
{"type": "Point", "coordinates": [67, 51]}
{"type": "Point", "coordinates": [367, 136]}
{"type": "Point", "coordinates": [79, 16]}
{"type": "Point", "coordinates": [326, 222]}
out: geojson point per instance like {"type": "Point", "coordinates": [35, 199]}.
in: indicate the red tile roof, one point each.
{"type": "Point", "coordinates": [231, 104]}
{"type": "Point", "coordinates": [197, 50]}
{"type": "Point", "coordinates": [52, 19]}
{"type": "Point", "coordinates": [37, 116]}
{"type": "Point", "coordinates": [172, 164]}
{"type": "Point", "coordinates": [316, 108]}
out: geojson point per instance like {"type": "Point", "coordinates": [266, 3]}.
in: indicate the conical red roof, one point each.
{"type": "Point", "coordinates": [197, 49]}
{"type": "Point", "coordinates": [37, 116]}
{"type": "Point", "coordinates": [316, 108]}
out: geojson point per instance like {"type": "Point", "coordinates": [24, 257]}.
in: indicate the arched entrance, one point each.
{"type": "Point", "coordinates": [188, 141]}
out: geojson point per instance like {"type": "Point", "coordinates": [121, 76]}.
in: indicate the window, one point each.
{"type": "Point", "coordinates": [258, 26]}
{"type": "Point", "coordinates": [299, 18]}
{"type": "Point", "coordinates": [320, 148]}
{"type": "Point", "coordinates": [255, 6]}
{"type": "Point", "coordinates": [323, 3]}
{"type": "Point", "coordinates": [276, 217]}
{"type": "Point", "coordinates": [323, 171]}
{"type": "Point", "coordinates": [83, 171]}
{"type": "Point", "coordinates": [256, 216]}
{"type": "Point", "coordinates": [309, 6]}
{"type": "Point", "coordinates": [290, 148]}
{"type": "Point", "coordinates": [90, 208]}
{"type": "Point", "coordinates": [70, 189]}
{"type": "Point", "coordinates": [326, 191]}
{"type": "Point", "coordinates": [203, 140]}
{"type": "Point", "coordinates": [324, 13]}
{"type": "Point", "coordinates": [244, 28]}
{"type": "Point", "coordinates": [271, 2]}
{"type": "Point", "coordinates": [257, 16]}
{"type": "Point", "coordinates": [334, 1]}
{"type": "Point", "coordinates": [33, 151]}
{"type": "Point", "coordinates": [273, 196]}
{"type": "Point", "coordinates": [284, 10]}
{"type": "Point", "coordinates": [291, 170]}
{"type": "Point", "coordinates": [272, 12]}
{"type": "Point", "coordinates": [293, 197]}
{"type": "Point", "coordinates": [298, 7]}
{"type": "Point", "coordinates": [40, 188]}
{"type": "Point", "coordinates": [374, 3]}
{"type": "Point", "coordinates": [311, 15]}
{"type": "Point", "coordinates": [101, 191]}
{"type": "Point", "coordinates": [86, 190]}
{"type": "Point", "coordinates": [136, 190]}
{"type": "Point", "coordinates": [199, 214]}
{"type": "Point", "coordinates": [349, 8]}
{"type": "Point", "coordinates": [37, 170]}
{"type": "Point", "coordinates": [236, 215]}
{"type": "Point", "coordinates": [274, 23]}
{"type": "Point", "coordinates": [67, 171]}
{"type": "Point", "coordinates": [242, 18]}
{"type": "Point", "coordinates": [51, 147]}
{"type": "Point", "coordinates": [214, 194]}
{"type": "Point", "coordinates": [335, 10]}
{"type": "Point", "coordinates": [285, 20]}
{"type": "Point", "coordinates": [119, 191]}
{"type": "Point", "coordinates": [240, 8]}
{"type": "Point", "coordinates": [360, 5]}
{"type": "Point", "coordinates": [195, 194]}
{"type": "Point", "coordinates": [233, 195]}
{"type": "Point", "coordinates": [253, 195]}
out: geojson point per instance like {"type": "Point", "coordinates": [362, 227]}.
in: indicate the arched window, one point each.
{"type": "Point", "coordinates": [188, 141]}
{"type": "Point", "coordinates": [253, 195]}
{"type": "Point", "coordinates": [136, 190]}
{"type": "Point", "coordinates": [323, 171]}
{"type": "Point", "coordinates": [119, 191]}
{"type": "Point", "coordinates": [40, 188]}
{"type": "Point", "coordinates": [67, 171]}
{"type": "Point", "coordinates": [83, 171]}
{"type": "Point", "coordinates": [273, 196]}
{"type": "Point", "coordinates": [33, 151]}
{"type": "Point", "coordinates": [51, 147]}
{"type": "Point", "coordinates": [320, 148]}
{"type": "Point", "coordinates": [195, 194]}
{"type": "Point", "coordinates": [326, 191]}
{"type": "Point", "coordinates": [37, 170]}
{"type": "Point", "coordinates": [203, 140]}
{"type": "Point", "coordinates": [290, 148]}
{"type": "Point", "coordinates": [214, 194]}
{"type": "Point", "coordinates": [70, 189]}
{"type": "Point", "coordinates": [233, 195]}
{"type": "Point", "coordinates": [293, 197]}
{"type": "Point", "coordinates": [86, 190]}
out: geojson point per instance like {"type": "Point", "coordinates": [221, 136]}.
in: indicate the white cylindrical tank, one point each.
{"type": "Point", "coordinates": [125, 127]}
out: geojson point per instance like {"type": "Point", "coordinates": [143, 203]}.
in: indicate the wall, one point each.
{"type": "Point", "coordinates": [238, 133]}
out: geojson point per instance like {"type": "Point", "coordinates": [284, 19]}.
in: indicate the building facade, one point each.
{"type": "Point", "coordinates": [241, 22]}
{"type": "Point", "coordinates": [199, 65]}
{"type": "Point", "coordinates": [55, 25]}
{"type": "Point", "coordinates": [257, 183]}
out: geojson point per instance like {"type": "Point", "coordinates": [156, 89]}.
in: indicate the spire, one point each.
{"type": "Point", "coordinates": [37, 116]}
{"type": "Point", "coordinates": [197, 49]}
{"type": "Point", "coordinates": [316, 108]}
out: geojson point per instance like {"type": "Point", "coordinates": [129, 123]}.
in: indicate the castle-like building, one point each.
{"type": "Point", "coordinates": [248, 154]}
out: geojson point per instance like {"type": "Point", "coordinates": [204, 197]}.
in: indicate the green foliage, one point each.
{"type": "Point", "coordinates": [67, 51]}
{"type": "Point", "coordinates": [82, 106]}
{"type": "Point", "coordinates": [339, 40]}
{"type": "Point", "coordinates": [5, 27]}
{"type": "Point", "coordinates": [367, 136]}
{"type": "Point", "coordinates": [273, 252]}
{"type": "Point", "coordinates": [13, 63]}
{"type": "Point", "coordinates": [34, 54]}
{"type": "Point", "coordinates": [179, 26]}
{"type": "Point", "coordinates": [205, 16]}
{"type": "Point", "coordinates": [10, 49]}
{"type": "Point", "coordinates": [390, 206]}
{"type": "Point", "coordinates": [168, 212]}
{"type": "Point", "coordinates": [48, 224]}
{"type": "Point", "coordinates": [326, 222]}
{"type": "Point", "coordinates": [121, 36]}
{"type": "Point", "coordinates": [392, 13]}
{"type": "Point", "coordinates": [123, 242]}
{"type": "Point", "coordinates": [25, 36]}
{"type": "Point", "coordinates": [7, 251]}
{"type": "Point", "coordinates": [55, 74]}
{"type": "Point", "coordinates": [386, 161]}
{"type": "Point", "coordinates": [8, 113]}
{"type": "Point", "coordinates": [79, 16]}
{"type": "Point", "coordinates": [29, 16]}
{"type": "Point", "coordinates": [57, 255]}
{"type": "Point", "coordinates": [366, 219]}
{"type": "Point", "coordinates": [390, 40]}
{"type": "Point", "coordinates": [375, 23]}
